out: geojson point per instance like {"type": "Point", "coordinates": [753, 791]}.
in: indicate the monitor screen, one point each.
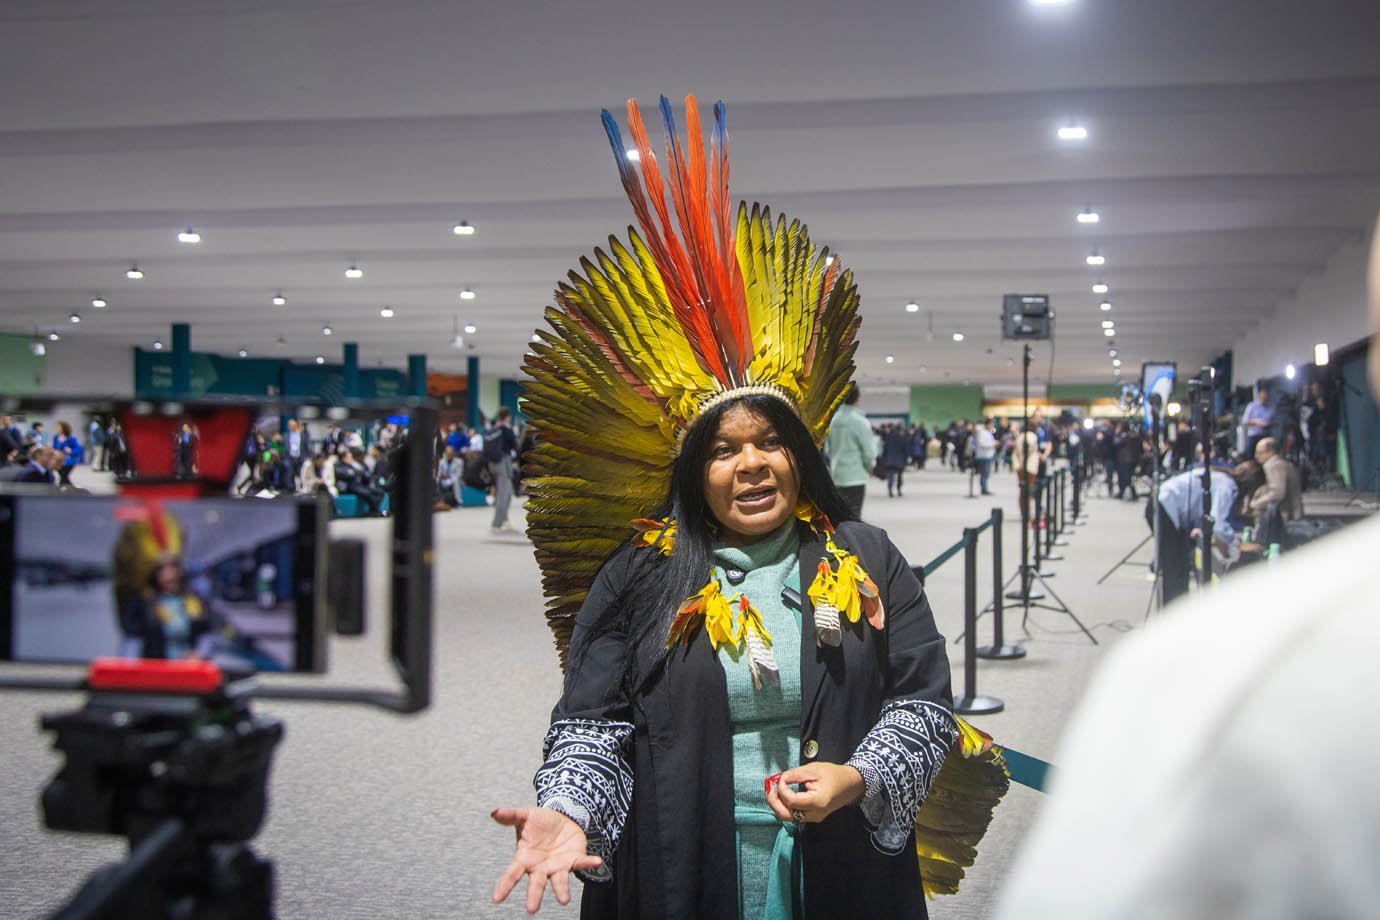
{"type": "Point", "coordinates": [230, 580]}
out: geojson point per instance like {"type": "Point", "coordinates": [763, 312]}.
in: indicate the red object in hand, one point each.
{"type": "Point", "coordinates": [769, 782]}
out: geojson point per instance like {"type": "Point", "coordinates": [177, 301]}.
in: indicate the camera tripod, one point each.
{"type": "Point", "coordinates": [167, 755]}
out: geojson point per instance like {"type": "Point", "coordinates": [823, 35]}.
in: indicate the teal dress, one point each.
{"type": "Point", "coordinates": [765, 722]}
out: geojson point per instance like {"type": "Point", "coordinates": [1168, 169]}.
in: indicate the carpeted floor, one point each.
{"type": "Point", "coordinates": [380, 816]}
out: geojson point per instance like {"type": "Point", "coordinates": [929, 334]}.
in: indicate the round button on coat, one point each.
{"type": "Point", "coordinates": [811, 748]}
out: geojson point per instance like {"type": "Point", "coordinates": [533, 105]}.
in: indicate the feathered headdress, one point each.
{"type": "Point", "coordinates": [648, 335]}
{"type": "Point", "coordinates": [694, 309]}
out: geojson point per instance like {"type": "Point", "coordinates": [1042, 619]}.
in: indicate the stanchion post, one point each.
{"type": "Point", "coordinates": [970, 703]}
{"type": "Point", "coordinates": [1051, 522]}
{"type": "Point", "coordinates": [998, 649]}
{"type": "Point", "coordinates": [1063, 499]}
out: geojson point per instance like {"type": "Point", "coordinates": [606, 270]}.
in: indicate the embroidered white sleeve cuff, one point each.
{"type": "Point", "coordinates": [899, 759]}
{"type": "Point", "coordinates": [586, 777]}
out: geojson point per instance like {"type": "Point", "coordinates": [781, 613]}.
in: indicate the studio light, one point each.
{"type": "Point", "coordinates": [1088, 216]}
{"type": "Point", "coordinates": [279, 300]}
{"type": "Point", "coordinates": [890, 359]}
{"type": "Point", "coordinates": [386, 312]}
{"type": "Point", "coordinates": [1321, 354]}
{"type": "Point", "coordinates": [354, 272]}
{"type": "Point", "coordinates": [1105, 306]}
{"type": "Point", "coordinates": [464, 228]}
{"type": "Point", "coordinates": [189, 236]}
{"type": "Point", "coordinates": [74, 318]}
{"type": "Point", "coordinates": [133, 273]}
{"type": "Point", "coordinates": [471, 329]}
{"type": "Point", "coordinates": [1100, 287]}
{"type": "Point", "coordinates": [1290, 371]}
{"type": "Point", "coordinates": [912, 307]}
{"type": "Point", "coordinates": [467, 294]}
{"type": "Point", "coordinates": [99, 303]}
{"type": "Point", "coordinates": [1096, 258]}
{"type": "Point", "coordinates": [38, 349]}
{"type": "Point", "coordinates": [958, 336]}
{"type": "Point", "coordinates": [1072, 133]}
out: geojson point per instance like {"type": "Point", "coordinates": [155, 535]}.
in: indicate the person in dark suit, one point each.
{"type": "Point", "coordinates": [184, 452]}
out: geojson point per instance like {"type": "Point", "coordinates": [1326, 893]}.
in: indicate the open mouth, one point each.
{"type": "Point", "coordinates": [753, 499]}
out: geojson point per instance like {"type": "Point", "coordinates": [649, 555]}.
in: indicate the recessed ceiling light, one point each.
{"type": "Point", "coordinates": [890, 359]}
{"type": "Point", "coordinates": [1096, 258]}
{"type": "Point", "coordinates": [1290, 371]}
{"type": "Point", "coordinates": [326, 330]}
{"type": "Point", "coordinates": [912, 307]}
{"type": "Point", "coordinates": [464, 228]}
{"type": "Point", "coordinates": [354, 273]}
{"type": "Point", "coordinates": [1108, 324]}
{"type": "Point", "coordinates": [133, 273]}
{"type": "Point", "coordinates": [386, 312]}
{"type": "Point", "coordinates": [279, 300]}
{"type": "Point", "coordinates": [74, 318]}
{"type": "Point", "coordinates": [828, 260]}
{"type": "Point", "coordinates": [958, 336]}
{"type": "Point", "coordinates": [923, 368]}
{"type": "Point", "coordinates": [1321, 354]}
{"type": "Point", "coordinates": [632, 155]}
{"type": "Point", "coordinates": [1116, 362]}
{"type": "Point", "coordinates": [99, 303]}
{"type": "Point", "coordinates": [189, 236]}
{"type": "Point", "coordinates": [244, 353]}
{"type": "Point", "coordinates": [1105, 306]}
{"type": "Point", "coordinates": [1088, 216]}
{"type": "Point", "coordinates": [54, 337]}
{"type": "Point", "coordinates": [1111, 352]}
{"type": "Point", "coordinates": [1117, 371]}
{"type": "Point", "coordinates": [467, 294]}
{"type": "Point", "coordinates": [1072, 133]}
{"type": "Point", "coordinates": [320, 359]}
{"type": "Point", "coordinates": [471, 329]}
{"type": "Point", "coordinates": [1100, 287]}
{"type": "Point", "coordinates": [536, 337]}
{"type": "Point", "coordinates": [157, 345]}
{"type": "Point", "coordinates": [1051, 2]}
{"type": "Point", "coordinates": [1109, 332]}
{"type": "Point", "coordinates": [1010, 362]}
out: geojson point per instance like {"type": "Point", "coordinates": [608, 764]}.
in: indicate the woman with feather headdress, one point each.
{"type": "Point", "coordinates": [756, 699]}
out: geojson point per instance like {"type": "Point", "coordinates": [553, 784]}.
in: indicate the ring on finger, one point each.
{"type": "Point", "coordinates": [798, 816]}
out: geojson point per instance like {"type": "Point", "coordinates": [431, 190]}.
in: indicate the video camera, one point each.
{"type": "Point", "coordinates": [185, 597]}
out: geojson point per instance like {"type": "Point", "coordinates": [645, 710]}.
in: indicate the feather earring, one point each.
{"type": "Point", "coordinates": [761, 661]}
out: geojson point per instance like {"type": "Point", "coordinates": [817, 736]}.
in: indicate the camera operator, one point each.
{"type": "Point", "coordinates": [1180, 510]}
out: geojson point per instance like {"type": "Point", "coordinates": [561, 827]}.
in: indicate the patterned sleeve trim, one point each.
{"type": "Point", "coordinates": [898, 760]}
{"type": "Point", "coordinates": [586, 777]}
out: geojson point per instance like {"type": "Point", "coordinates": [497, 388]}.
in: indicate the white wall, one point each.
{"type": "Point", "coordinates": [1329, 307]}
{"type": "Point", "coordinates": [89, 369]}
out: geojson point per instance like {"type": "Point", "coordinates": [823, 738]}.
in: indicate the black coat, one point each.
{"type": "Point", "coordinates": [677, 854]}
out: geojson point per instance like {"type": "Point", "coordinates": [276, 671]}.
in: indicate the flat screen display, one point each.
{"type": "Point", "coordinates": [223, 579]}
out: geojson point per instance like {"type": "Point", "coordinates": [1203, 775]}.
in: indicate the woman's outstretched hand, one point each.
{"type": "Point", "coordinates": [549, 846]}
{"type": "Point", "coordinates": [828, 787]}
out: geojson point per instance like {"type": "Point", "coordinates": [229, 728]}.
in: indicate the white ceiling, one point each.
{"type": "Point", "coordinates": [1234, 148]}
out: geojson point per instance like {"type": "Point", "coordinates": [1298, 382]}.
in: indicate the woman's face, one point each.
{"type": "Point", "coordinates": [750, 481]}
{"type": "Point", "coordinates": [169, 577]}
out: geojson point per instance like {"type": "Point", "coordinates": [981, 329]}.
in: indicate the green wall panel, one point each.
{"type": "Point", "coordinates": [939, 405]}
{"type": "Point", "coordinates": [21, 371]}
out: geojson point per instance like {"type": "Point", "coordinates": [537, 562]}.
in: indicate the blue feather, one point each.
{"type": "Point", "coordinates": [620, 153]}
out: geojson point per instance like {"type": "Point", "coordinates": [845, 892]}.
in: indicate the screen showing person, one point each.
{"type": "Point", "coordinates": [220, 579]}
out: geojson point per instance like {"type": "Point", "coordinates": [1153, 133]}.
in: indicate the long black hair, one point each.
{"type": "Point", "coordinates": [691, 562]}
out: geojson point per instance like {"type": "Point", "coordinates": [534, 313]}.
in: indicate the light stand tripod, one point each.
{"type": "Point", "coordinates": [1026, 572]}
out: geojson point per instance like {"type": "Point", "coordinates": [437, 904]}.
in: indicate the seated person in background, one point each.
{"type": "Point", "coordinates": [353, 478]}
{"type": "Point", "coordinates": [449, 475]}
{"type": "Point", "coordinates": [35, 469]}
{"type": "Point", "coordinates": [318, 475]}
{"type": "Point", "coordinates": [1280, 499]}
{"type": "Point", "coordinates": [457, 437]}
{"type": "Point", "coordinates": [380, 467]}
